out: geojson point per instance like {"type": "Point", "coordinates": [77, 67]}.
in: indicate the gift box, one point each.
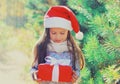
{"type": "Point", "coordinates": [48, 72]}
{"type": "Point", "coordinates": [56, 72]}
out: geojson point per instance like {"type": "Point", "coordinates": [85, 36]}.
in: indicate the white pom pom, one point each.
{"type": "Point", "coordinates": [79, 35]}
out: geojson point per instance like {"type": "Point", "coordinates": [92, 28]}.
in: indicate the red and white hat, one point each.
{"type": "Point", "coordinates": [62, 17]}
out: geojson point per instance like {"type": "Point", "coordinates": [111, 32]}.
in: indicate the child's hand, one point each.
{"type": "Point", "coordinates": [74, 77]}
{"type": "Point", "coordinates": [35, 76]}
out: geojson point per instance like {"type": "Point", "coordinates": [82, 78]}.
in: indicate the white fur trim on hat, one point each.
{"type": "Point", "coordinates": [57, 22]}
{"type": "Point", "coordinates": [79, 35]}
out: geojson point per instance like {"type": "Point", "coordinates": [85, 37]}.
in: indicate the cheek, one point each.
{"type": "Point", "coordinates": [52, 36]}
{"type": "Point", "coordinates": [65, 36]}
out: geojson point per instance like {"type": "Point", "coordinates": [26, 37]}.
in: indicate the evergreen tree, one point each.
{"type": "Point", "coordinates": [99, 20]}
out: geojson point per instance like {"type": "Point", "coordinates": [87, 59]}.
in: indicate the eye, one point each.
{"type": "Point", "coordinates": [53, 33]}
{"type": "Point", "coordinates": [62, 33]}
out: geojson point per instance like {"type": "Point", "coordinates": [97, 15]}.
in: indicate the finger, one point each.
{"type": "Point", "coordinates": [73, 72]}
{"type": "Point", "coordinates": [75, 76]}
{"type": "Point", "coordinates": [73, 80]}
{"type": "Point", "coordinates": [38, 80]}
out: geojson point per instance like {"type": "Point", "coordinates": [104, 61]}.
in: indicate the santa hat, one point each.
{"type": "Point", "coordinates": [62, 17]}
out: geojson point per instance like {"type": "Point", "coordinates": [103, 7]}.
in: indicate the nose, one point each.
{"type": "Point", "coordinates": [58, 38]}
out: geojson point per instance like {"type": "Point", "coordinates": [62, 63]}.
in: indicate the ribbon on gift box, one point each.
{"type": "Point", "coordinates": [56, 63]}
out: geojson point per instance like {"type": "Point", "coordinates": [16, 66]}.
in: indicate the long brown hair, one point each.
{"type": "Point", "coordinates": [40, 49]}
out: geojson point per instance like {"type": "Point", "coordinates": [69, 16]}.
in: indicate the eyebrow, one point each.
{"type": "Point", "coordinates": [63, 31]}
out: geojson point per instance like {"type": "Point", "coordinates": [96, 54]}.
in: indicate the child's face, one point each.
{"type": "Point", "coordinates": [58, 34]}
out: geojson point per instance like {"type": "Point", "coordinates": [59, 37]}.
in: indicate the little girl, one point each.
{"type": "Point", "coordinates": [58, 42]}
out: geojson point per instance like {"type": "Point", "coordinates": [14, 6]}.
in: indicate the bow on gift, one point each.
{"type": "Point", "coordinates": [56, 63]}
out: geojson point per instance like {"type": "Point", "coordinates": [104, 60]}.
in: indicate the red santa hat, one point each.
{"type": "Point", "coordinates": [62, 17]}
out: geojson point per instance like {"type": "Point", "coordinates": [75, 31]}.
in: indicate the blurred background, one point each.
{"type": "Point", "coordinates": [21, 25]}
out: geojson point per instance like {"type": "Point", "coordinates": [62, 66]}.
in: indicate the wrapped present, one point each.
{"type": "Point", "coordinates": [57, 70]}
